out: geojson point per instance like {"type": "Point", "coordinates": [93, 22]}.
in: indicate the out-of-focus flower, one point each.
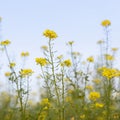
{"type": "Point", "coordinates": [106, 23]}
{"type": "Point", "coordinates": [12, 64]}
{"type": "Point", "coordinates": [109, 57]}
{"type": "Point", "coordinates": [75, 53]}
{"type": "Point", "coordinates": [90, 59]}
{"type": "Point", "coordinates": [96, 81]}
{"type": "Point", "coordinates": [45, 102]}
{"type": "Point", "coordinates": [89, 87]}
{"type": "Point", "coordinates": [24, 54]}
{"type": "Point", "coordinates": [100, 42]}
{"type": "Point", "coordinates": [70, 43]}
{"type": "Point", "coordinates": [44, 47]}
{"type": "Point", "coordinates": [5, 42]}
{"type": "Point", "coordinates": [114, 49]}
{"type": "Point", "coordinates": [41, 61]}
{"type": "Point", "coordinates": [7, 74]}
{"type": "Point", "coordinates": [66, 63]}
{"type": "Point", "coordinates": [99, 105]}
{"type": "Point", "coordinates": [82, 116]}
{"type": "Point", "coordinates": [60, 57]}
{"type": "Point", "coordinates": [26, 72]}
{"type": "Point", "coordinates": [94, 96]}
{"type": "Point", "coordinates": [109, 73]}
{"type": "Point", "coordinates": [50, 34]}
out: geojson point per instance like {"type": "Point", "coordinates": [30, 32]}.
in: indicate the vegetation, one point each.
{"type": "Point", "coordinates": [73, 89]}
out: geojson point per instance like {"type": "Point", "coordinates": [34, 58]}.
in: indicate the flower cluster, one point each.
{"type": "Point", "coordinates": [90, 59]}
{"type": "Point", "coordinates": [5, 42]}
{"type": "Point", "coordinates": [50, 34]}
{"type": "Point", "coordinates": [106, 23]}
{"type": "Point", "coordinates": [70, 43]}
{"type": "Point", "coordinates": [99, 105]}
{"type": "Point", "coordinates": [94, 96]}
{"type": "Point", "coordinates": [26, 72]}
{"type": "Point", "coordinates": [7, 74]}
{"type": "Point", "coordinates": [45, 102]}
{"type": "Point", "coordinates": [109, 57]}
{"type": "Point", "coordinates": [12, 64]}
{"type": "Point", "coordinates": [66, 63]}
{"type": "Point", "coordinates": [24, 54]}
{"type": "Point", "coordinates": [41, 61]}
{"type": "Point", "coordinates": [109, 73]}
{"type": "Point", "coordinates": [44, 47]}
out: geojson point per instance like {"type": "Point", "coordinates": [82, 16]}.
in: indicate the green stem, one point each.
{"type": "Point", "coordinates": [54, 78]}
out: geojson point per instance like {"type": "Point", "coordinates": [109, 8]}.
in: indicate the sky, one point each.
{"type": "Point", "coordinates": [23, 22]}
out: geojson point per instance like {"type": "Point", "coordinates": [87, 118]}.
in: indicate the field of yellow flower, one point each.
{"type": "Point", "coordinates": [73, 89]}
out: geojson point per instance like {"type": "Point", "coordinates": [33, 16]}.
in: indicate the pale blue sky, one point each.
{"type": "Point", "coordinates": [78, 20]}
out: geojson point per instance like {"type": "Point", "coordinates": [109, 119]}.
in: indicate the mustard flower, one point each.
{"type": "Point", "coordinates": [75, 53]}
{"type": "Point", "coordinates": [90, 59]}
{"type": "Point", "coordinates": [44, 47]}
{"type": "Point", "coordinates": [50, 34]}
{"type": "Point", "coordinates": [89, 87]}
{"type": "Point", "coordinates": [5, 42]}
{"type": "Point", "coordinates": [66, 63]}
{"type": "Point", "coordinates": [12, 64]}
{"type": "Point", "coordinates": [94, 96]}
{"type": "Point", "coordinates": [96, 81]}
{"type": "Point", "coordinates": [24, 54]}
{"type": "Point", "coordinates": [100, 42]}
{"type": "Point", "coordinates": [109, 73]}
{"type": "Point", "coordinates": [70, 43]}
{"type": "Point", "coordinates": [114, 49]}
{"type": "Point", "coordinates": [7, 74]}
{"type": "Point", "coordinates": [106, 23]}
{"type": "Point", "coordinates": [41, 61]}
{"type": "Point", "coordinates": [109, 57]}
{"type": "Point", "coordinates": [26, 72]}
{"type": "Point", "coordinates": [60, 57]}
{"type": "Point", "coordinates": [68, 99]}
{"type": "Point", "coordinates": [45, 102]}
{"type": "Point", "coordinates": [82, 116]}
{"type": "Point", "coordinates": [99, 105]}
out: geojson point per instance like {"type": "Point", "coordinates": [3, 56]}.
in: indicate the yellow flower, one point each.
{"type": "Point", "coordinates": [45, 102]}
{"type": "Point", "coordinates": [12, 64]}
{"type": "Point", "coordinates": [99, 105]}
{"type": "Point", "coordinates": [5, 42]}
{"type": "Point", "coordinates": [66, 63]}
{"type": "Point", "coordinates": [96, 81]}
{"type": "Point", "coordinates": [94, 96]}
{"type": "Point", "coordinates": [90, 59]}
{"type": "Point", "coordinates": [24, 54]}
{"type": "Point", "coordinates": [75, 53]}
{"type": "Point", "coordinates": [50, 34]}
{"type": "Point", "coordinates": [109, 73]}
{"type": "Point", "coordinates": [109, 57]}
{"type": "Point", "coordinates": [100, 42]}
{"type": "Point", "coordinates": [114, 49]}
{"type": "Point", "coordinates": [26, 72]}
{"type": "Point", "coordinates": [70, 42]}
{"type": "Point", "coordinates": [68, 99]}
{"type": "Point", "coordinates": [41, 61]}
{"type": "Point", "coordinates": [7, 74]}
{"type": "Point", "coordinates": [44, 47]}
{"type": "Point", "coordinates": [89, 87]}
{"type": "Point", "coordinates": [60, 57]}
{"type": "Point", "coordinates": [106, 23]}
{"type": "Point", "coordinates": [82, 116]}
